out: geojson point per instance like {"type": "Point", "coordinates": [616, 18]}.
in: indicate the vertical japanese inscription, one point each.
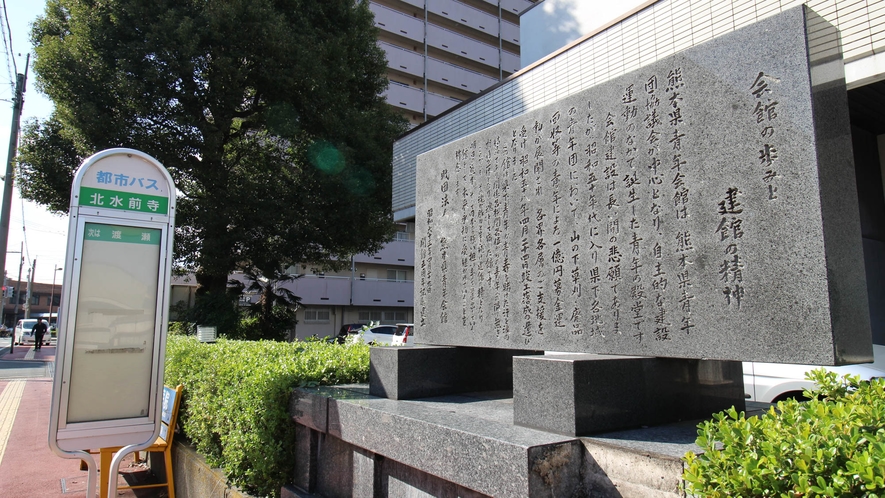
{"type": "Point", "coordinates": [426, 253]}
{"type": "Point", "coordinates": [765, 113]}
{"type": "Point", "coordinates": [634, 217]}
{"type": "Point", "coordinates": [578, 218]}
{"type": "Point", "coordinates": [684, 249]}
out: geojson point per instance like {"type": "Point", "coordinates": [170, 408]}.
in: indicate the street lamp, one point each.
{"type": "Point", "coordinates": [52, 294]}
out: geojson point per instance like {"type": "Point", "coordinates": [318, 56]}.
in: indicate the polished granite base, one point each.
{"type": "Point", "coordinates": [353, 444]}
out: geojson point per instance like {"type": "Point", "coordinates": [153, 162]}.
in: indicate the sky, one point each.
{"type": "Point", "coordinates": [44, 234]}
{"type": "Point", "coordinates": [555, 23]}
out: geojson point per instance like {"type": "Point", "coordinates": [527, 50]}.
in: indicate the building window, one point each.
{"type": "Point", "coordinates": [316, 316]}
{"type": "Point", "coordinates": [394, 316]}
{"type": "Point", "coordinates": [396, 275]}
{"type": "Point", "coordinates": [35, 300]}
{"type": "Point", "coordinates": [388, 317]}
{"type": "Point", "coordinates": [370, 316]}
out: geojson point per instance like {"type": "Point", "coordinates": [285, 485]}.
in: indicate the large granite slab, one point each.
{"type": "Point", "coordinates": [703, 206]}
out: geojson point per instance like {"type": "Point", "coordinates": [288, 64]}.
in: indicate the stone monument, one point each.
{"type": "Point", "coordinates": [703, 206]}
{"type": "Point", "coordinates": [654, 230]}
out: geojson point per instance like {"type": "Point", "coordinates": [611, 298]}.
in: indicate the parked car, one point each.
{"type": "Point", "coordinates": [404, 332]}
{"type": "Point", "coordinates": [379, 334]}
{"type": "Point", "coordinates": [346, 329]}
{"type": "Point", "coordinates": [24, 335]}
{"type": "Point", "coordinates": [773, 382]}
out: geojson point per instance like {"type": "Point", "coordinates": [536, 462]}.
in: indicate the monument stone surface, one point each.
{"type": "Point", "coordinates": [694, 213]}
{"type": "Point", "coordinates": [703, 206]}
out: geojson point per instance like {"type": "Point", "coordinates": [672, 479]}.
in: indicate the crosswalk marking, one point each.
{"type": "Point", "coordinates": [9, 401]}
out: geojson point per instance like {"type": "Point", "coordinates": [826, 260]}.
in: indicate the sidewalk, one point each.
{"type": "Point", "coordinates": [28, 468]}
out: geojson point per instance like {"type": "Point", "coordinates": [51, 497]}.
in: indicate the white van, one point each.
{"type": "Point", "coordinates": [24, 334]}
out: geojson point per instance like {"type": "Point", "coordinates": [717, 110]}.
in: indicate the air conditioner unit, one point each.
{"type": "Point", "coordinates": [206, 333]}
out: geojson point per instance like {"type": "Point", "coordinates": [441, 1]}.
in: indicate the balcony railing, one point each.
{"type": "Point", "coordinates": [457, 76]}
{"type": "Point", "coordinates": [344, 290]}
{"type": "Point", "coordinates": [437, 104]}
{"type": "Point", "coordinates": [397, 23]}
{"type": "Point", "coordinates": [461, 45]}
{"type": "Point", "coordinates": [383, 292]}
{"type": "Point", "coordinates": [403, 59]}
{"type": "Point", "coordinates": [404, 96]}
{"type": "Point", "coordinates": [465, 14]}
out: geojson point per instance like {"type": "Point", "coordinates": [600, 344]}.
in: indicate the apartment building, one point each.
{"type": "Point", "coordinates": [439, 54]}
{"type": "Point", "coordinates": [443, 52]}
{"type": "Point", "coordinates": [373, 288]}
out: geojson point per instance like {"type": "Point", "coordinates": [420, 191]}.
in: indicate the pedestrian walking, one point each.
{"type": "Point", "coordinates": [39, 330]}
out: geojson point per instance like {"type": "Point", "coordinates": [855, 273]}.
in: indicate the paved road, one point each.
{"type": "Point", "coordinates": [24, 362]}
{"type": "Point", "coordinates": [28, 468]}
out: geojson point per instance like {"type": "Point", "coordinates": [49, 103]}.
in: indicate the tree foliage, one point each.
{"type": "Point", "coordinates": [266, 113]}
{"type": "Point", "coordinates": [272, 316]}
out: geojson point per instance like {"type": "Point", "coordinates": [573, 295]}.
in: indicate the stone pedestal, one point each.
{"type": "Point", "coordinates": [424, 371]}
{"type": "Point", "coordinates": [581, 394]}
{"type": "Point", "coordinates": [353, 444]}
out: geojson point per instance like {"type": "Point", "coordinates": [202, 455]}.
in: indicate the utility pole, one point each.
{"type": "Point", "coordinates": [18, 102]}
{"type": "Point", "coordinates": [31, 272]}
{"type": "Point", "coordinates": [3, 299]}
{"type": "Point", "coordinates": [18, 285]}
{"type": "Point", "coordinates": [7, 290]}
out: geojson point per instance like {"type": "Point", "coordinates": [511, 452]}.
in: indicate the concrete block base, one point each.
{"type": "Point", "coordinates": [581, 394]}
{"type": "Point", "coordinates": [424, 371]}
{"type": "Point", "coordinates": [468, 446]}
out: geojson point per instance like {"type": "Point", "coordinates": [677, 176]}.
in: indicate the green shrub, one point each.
{"type": "Point", "coordinates": [181, 328]}
{"type": "Point", "coordinates": [236, 394]}
{"type": "Point", "coordinates": [831, 445]}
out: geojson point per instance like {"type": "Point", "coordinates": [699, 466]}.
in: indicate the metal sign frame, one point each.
{"type": "Point", "coordinates": [72, 439]}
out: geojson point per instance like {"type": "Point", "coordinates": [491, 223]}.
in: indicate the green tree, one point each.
{"type": "Point", "coordinates": [272, 316]}
{"type": "Point", "coordinates": [266, 112]}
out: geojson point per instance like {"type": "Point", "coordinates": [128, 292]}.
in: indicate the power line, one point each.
{"type": "Point", "coordinates": [25, 232]}
{"type": "Point", "coordinates": [6, 32]}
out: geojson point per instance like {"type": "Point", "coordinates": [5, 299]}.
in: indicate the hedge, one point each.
{"type": "Point", "coordinates": [236, 393]}
{"type": "Point", "coordinates": [831, 445]}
